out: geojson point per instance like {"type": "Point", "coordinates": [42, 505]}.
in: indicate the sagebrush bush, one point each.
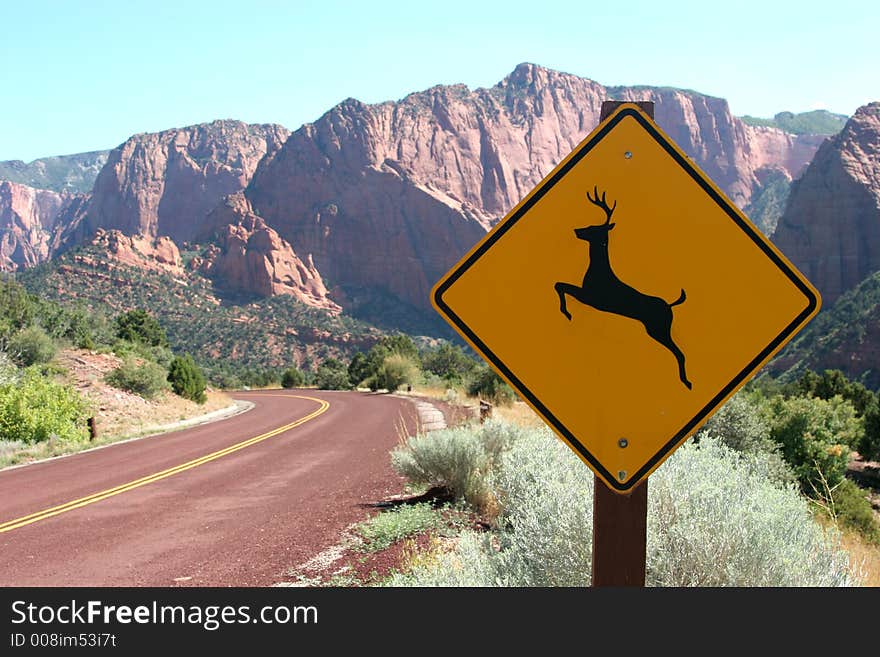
{"type": "Point", "coordinates": [715, 519]}
{"type": "Point", "coordinates": [140, 377]}
{"type": "Point", "coordinates": [458, 459]}
{"type": "Point", "coordinates": [34, 409]}
{"type": "Point", "coordinates": [31, 346]}
{"type": "Point", "coordinates": [741, 425]}
{"type": "Point", "coordinates": [9, 373]}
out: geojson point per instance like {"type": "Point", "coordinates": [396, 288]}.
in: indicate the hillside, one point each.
{"type": "Point", "coordinates": [844, 336]}
{"type": "Point", "coordinates": [61, 173]}
{"type": "Point", "coordinates": [224, 335]}
{"type": "Point", "coordinates": [816, 122]}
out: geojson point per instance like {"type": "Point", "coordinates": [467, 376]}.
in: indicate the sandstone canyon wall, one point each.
{"type": "Point", "coordinates": [831, 225]}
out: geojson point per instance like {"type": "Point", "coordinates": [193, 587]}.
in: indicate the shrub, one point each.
{"type": "Point", "coordinates": [741, 426]}
{"type": "Point", "coordinates": [140, 377]}
{"type": "Point", "coordinates": [815, 436]}
{"type": "Point", "coordinates": [332, 375]}
{"type": "Point", "coordinates": [292, 378]}
{"type": "Point", "coordinates": [31, 346]}
{"type": "Point", "coordinates": [852, 509]}
{"type": "Point", "coordinates": [8, 371]}
{"type": "Point", "coordinates": [35, 409]}
{"type": "Point", "coordinates": [358, 369]}
{"type": "Point", "coordinates": [458, 460]}
{"type": "Point", "coordinates": [186, 379]}
{"type": "Point", "coordinates": [139, 326]}
{"type": "Point", "coordinates": [396, 370]}
{"type": "Point", "coordinates": [487, 385]}
{"type": "Point", "coordinates": [714, 519]}
{"type": "Point", "coordinates": [449, 362]}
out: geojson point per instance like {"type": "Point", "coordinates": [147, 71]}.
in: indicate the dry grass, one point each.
{"type": "Point", "coordinates": [865, 558]}
{"type": "Point", "coordinates": [519, 413]}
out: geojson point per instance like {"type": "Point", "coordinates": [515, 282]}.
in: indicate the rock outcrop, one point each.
{"type": "Point", "coordinates": [152, 253]}
{"type": "Point", "coordinates": [390, 195]}
{"type": "Point", "coordinates": [167, 183]}
{"type": "Point", "coordinates": [29, 219]}
{"type": "Point", "coordinates": [831, 225]}
{"type": "Point", "coordinates": [248, 256]}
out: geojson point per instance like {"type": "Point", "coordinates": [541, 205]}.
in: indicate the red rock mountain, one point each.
{"type": "Point", "coordinates": [378, 197]}
{"type": "Point", "coordinates": [388, 196]}
{"type": "Point", "coordinates": [831, 225]}
{"type": "Point", "coordinates": [29, 220]}
{"type": "Point", "coordinates": [167, 183]}
{"type": "Point", "coordinates": [250, 257]}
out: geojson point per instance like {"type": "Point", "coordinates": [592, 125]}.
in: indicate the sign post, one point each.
{"type": "Point", "coordinates": [625, 299]}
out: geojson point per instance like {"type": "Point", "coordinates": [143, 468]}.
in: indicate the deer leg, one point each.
{"type": "Point", "coordinates": [562, 289]}
{"type": "Point", "coordinates": [664, 337]}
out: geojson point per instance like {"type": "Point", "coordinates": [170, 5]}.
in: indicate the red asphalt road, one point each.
{"type": "Point", "coordinates": [242, 519]}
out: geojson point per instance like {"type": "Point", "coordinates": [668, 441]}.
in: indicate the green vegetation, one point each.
{"type": "Point", "coordinates": [236, 341]}
{"type": "Point", "coordinates": [292, 378]}
{"type": "Point", "coordinates": [768, 202]}
{"type": "Point", "coordinates": [459, 460]}
{"type": "Point", "coordinates": [73, 173]}
{"type": "Point", "coordinates": [186, 379]}
{"type": "Point", "coordinates": [839, 334]}
{"type": "Point", "coordinates": [138, 326]}
{"type": "Point", "coordinates": [449, 362]}
{"type": "Point", "coordinates": [33, 409]}
{"type": "Point", "coordinates": [816, 122]}
{"type": "Point", "coordinates": [31, 346]}
{"type": "Point", "coordinates": [487, 385]}
{"type": "Point", "coordinates": [140, 377]}
{"type": "Point", "coordinates": [391, 526]}
{"type": "Point", "coordinates": [715, 519]}
{"type": "Point", "coordinates": [332, 375]}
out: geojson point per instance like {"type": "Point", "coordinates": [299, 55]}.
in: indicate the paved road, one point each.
{"type": "Point", "coordinates": [233, 503]}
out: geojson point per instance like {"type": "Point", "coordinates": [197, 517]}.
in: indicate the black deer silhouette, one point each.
{"type": "Point", "coordinates": [602, 289]}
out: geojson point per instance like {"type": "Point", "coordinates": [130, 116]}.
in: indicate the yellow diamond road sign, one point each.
{"type": "Point", "coordinates": [625, 298]}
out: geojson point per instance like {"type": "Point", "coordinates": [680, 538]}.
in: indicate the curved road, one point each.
{"type": "Point", "coordinates": [231, 503]}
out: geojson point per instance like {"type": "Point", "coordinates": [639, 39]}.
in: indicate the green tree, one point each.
{"type": "Point", "coordinates": [186, 379]}
{"type": "Point", "coordinates": [358, 369]}
{"type": "Point", "coordinates": [31, 346]}
{"type": "Point", "coordinates": [402, 344]}
{"type": "Point", "coordinates": [139, 326]}
{"type": "Point", "coordinates": [487, 385]}
{"type": "Point", "coordinates": [292, 378]}
{"type": "Point", "coordinates": [332, 375]}
{"type": "Point", "coordinates": [449, 362]}
{"type": "Point", "coordinates": [816, 437]}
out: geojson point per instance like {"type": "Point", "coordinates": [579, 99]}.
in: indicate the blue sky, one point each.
{"type": "Point", "coordinates": [83, 75]}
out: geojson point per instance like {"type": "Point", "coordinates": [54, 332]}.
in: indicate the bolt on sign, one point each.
{"type": "Point", "coordinates": [625, 298]}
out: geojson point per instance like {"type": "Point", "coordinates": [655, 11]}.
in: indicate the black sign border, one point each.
{"type": "Point", "coordinates": [738, 381]}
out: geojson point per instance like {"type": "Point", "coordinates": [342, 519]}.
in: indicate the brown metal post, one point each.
{"type": "Point", "coordinates": [93, 428]}
{"type": "Point", "coordinates": [620, 522]}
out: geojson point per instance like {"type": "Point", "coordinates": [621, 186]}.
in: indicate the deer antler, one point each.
{"type": "Point", "coordinates": [602, 203]}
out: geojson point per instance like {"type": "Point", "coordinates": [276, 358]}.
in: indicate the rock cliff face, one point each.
{"type": "Point", "coordinates": [831, 225]}
{"type": "Point", "coordinates": [248, 256]}
{"type": "Point", "coordinates": [155, 254]}
{"type": "Point", "coordinates": [390, 195]}
{"type": "Point", "coordinates": [29, 218]}
{"type": "Point", "coordinates": [166, 183]}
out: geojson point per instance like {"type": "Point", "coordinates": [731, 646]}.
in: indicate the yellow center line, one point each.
{"type": "Point", "coordinates": [9, 525]}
